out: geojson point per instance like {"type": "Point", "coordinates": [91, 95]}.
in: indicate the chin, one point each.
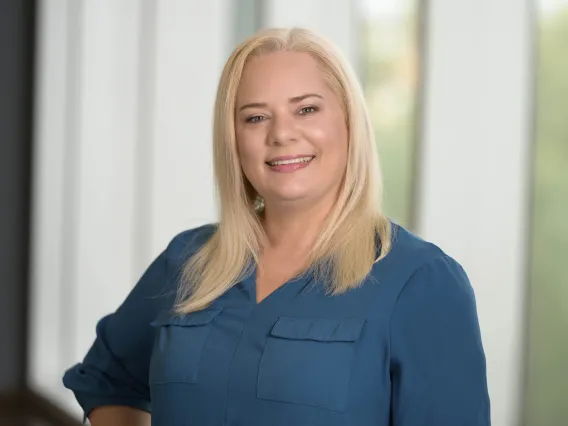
{"type": "Point", "coordinates": [289, 196]}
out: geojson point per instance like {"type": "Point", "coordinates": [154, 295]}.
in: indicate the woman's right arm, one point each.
{"type": "Point", "coordinates": [112, 382]}
{"type": "Point", "coordinates": [114, 373]}
{"type": "Point", "coordinates": [119, 416]}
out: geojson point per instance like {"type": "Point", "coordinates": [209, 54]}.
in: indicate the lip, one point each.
{"type": "Point", "coordinates": [289, 157]}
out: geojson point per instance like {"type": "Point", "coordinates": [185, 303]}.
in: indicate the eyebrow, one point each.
{"type": "Point", "coordinates": [293, 100]}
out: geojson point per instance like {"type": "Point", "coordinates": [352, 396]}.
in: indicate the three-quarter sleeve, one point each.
{"type": "Point", "coordinates": [115, 370]}
{"type": "Point", "coordinates": [438, 367]}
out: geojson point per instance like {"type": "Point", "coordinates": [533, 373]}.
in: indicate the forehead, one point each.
{"type": "Point", "coordinates": [280, 74]}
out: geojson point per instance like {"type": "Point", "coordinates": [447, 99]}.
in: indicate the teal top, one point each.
{"type": "Point", "coordinates": [403, 349]}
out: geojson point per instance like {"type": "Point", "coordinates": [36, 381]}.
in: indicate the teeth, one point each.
{"type": "Point", "coordinates": [291, 161]}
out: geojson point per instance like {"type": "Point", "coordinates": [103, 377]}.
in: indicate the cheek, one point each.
{"type": "Point", "coordinates": [331, 141]}
{"type": "Point", "coordinates": [245, 152]}
{"type": "Point", "coordinates": [341, 139]}
{"type": "Point", "coordinates": [250, 156]}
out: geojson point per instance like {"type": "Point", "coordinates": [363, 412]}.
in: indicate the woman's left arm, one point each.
{"type": "Point", "coordinates": [438, 368]}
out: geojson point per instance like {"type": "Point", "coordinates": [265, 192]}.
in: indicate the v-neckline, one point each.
{"type": "Point", "coordinates": [251, 286]}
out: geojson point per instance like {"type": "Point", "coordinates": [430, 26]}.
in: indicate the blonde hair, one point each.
{"type": "Point", "coordinates": [346, 248]}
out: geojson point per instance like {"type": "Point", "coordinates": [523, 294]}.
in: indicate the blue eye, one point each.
{"type": "Point", "coordinates": [308, 110]}
{"type": "Point", "coordinates": [255, 119]}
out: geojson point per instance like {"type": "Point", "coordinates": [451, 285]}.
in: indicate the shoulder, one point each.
{"type": "Point", "coordinates": [192, 238]}
{"type": "Point", "coordinates": [186, 243]}
{"type": "Point", "coordinates": [408, 246]}
{"type": "Point", "coordinates": [408, 253]}
{"type": "Point", "coordinates": [415, 268]}
{"type": "Point", "coordinates": [427, 289]}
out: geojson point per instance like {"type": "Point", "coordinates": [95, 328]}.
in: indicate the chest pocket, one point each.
{"type": "Point", "coordinates": [178, 346]}
{"type": "Point", "coordinates": [309, 361]}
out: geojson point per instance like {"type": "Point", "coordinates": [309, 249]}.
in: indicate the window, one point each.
{"type": "Point", "coordinates": [389, 66]}
{"type": "Point", "coordinates": [547, 391]}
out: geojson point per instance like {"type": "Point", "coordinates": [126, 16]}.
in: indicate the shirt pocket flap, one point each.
{"type": "Point", "coordinates": [194, 319]}
{"type": "Point", "coordinates": [319, 330]}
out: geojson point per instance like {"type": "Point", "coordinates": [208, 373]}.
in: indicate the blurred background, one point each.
{"type": "Point", "coordinates": [105, 155]}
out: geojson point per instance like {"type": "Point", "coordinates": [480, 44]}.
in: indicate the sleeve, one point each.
{"type": "Point", "coordinates": [115, 369]}
{"type": "Point", "coordinates": [438, 367]}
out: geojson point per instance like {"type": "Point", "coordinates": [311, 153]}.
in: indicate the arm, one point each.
{"type": "Point", "coordinates": [118, 416]}
{"type": "Point", "coordinates": [114, 372]}
{"type": "Point", "coordinates": [438, 369]}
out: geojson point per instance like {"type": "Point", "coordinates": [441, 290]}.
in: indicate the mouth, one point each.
{"type": "Point", "coordinates": [283, 161]}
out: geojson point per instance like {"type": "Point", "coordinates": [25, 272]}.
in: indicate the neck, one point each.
{"type": "Point", "coordinates": [294, 228]}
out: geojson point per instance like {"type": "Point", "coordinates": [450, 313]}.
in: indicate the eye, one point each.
{"type": "Point", "coordinates": [255, 119]}
{"type": "Point", "coordinates": [308, 110]}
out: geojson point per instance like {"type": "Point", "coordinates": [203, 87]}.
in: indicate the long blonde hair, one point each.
{"type": "Point", "coordinates": [346, 248]}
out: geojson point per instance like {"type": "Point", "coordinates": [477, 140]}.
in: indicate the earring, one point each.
{"type": "Point", "coordinates": [259, 204]}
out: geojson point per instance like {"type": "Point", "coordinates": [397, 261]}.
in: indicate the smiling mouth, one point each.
{"type": "Point", "coordinates": [291, 161]}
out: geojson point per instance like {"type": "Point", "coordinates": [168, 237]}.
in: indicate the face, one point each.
{"type": "Point", "coordinates": [290, 129]}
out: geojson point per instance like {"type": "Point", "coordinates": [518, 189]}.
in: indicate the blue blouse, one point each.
{"type": "Point", "coordinates": [404, 349]}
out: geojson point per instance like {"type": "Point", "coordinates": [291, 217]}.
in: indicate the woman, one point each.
{"type": "Point", "coordinates": [304, 305]}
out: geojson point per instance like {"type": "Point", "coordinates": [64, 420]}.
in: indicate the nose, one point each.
{"type": "Point", "coordinates": [282, 130]}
